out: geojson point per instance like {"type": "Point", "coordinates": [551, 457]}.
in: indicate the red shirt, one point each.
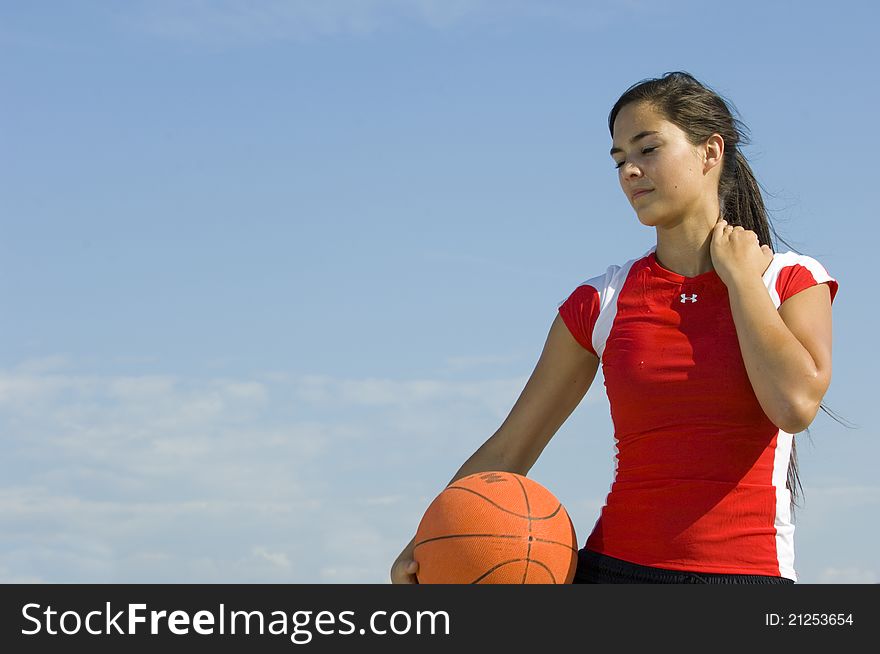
{"type": "Point", "coordinates": [700, 470]}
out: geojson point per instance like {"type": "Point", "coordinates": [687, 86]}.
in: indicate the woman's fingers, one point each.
{"type": "Point", "coordinates": [404, 572]}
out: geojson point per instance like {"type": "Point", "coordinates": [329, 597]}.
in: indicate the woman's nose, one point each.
{"type": "Point", "coordinates": [631, 170]}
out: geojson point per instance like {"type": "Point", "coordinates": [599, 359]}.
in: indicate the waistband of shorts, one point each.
{"type": "Point", "coordinates": [594, 567]}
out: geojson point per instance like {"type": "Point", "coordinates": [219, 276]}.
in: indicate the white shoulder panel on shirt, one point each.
{"type": "Point", "coordinates": [609, 286]}
{"type": "Point", "coordinates": [785, 259]}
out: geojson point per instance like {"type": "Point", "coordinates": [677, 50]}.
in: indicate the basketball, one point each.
{"type": "Point", "coordinates": [495, 528]}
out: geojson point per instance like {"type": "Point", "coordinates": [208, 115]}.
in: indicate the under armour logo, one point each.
{"type": "Point", "coordinates": [492, 478]}
{"type": "Point", "coordinates": [685, 298]}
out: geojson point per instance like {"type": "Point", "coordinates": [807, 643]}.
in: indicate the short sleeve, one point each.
{"type": "Point", "coordinates": [579, 313]}
{"type": "Point", "coordinates": [801, 275]}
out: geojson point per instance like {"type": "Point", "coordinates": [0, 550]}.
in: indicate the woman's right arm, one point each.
{"type": "Point", "coordinates": [556, 386]}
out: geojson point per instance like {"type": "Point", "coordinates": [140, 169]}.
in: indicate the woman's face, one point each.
{"type": "Point", "coordinates": [653, 153]}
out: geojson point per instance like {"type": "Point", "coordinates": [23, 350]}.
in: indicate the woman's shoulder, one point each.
{"type": "Point", "coordinates": [615, 271]}
{"type": "Point", "coordinates": [782, 261]}
{"type": "Point", "coordinates": [605, 285]}
{"type": "Point", "coordinates": [791, 272]}
{"type": "Point", "coordinates": [791, 258]}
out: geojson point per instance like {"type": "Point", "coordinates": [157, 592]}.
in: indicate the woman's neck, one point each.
{"type": "Point", "coordinates": [685, 247]}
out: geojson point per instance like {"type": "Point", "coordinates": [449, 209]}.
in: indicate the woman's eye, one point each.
{"type": "Point", "coordinates": [644, 151]}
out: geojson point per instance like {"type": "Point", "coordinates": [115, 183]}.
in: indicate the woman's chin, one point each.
{"type": "Point", "coordinates": [648, 219]}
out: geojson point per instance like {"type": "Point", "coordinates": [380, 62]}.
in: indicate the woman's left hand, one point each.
{"type": "Point", "coordinates": [736, 253]}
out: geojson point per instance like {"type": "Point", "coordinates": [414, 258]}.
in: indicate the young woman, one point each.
{"type": "Point", "coordinates": [715, 351]}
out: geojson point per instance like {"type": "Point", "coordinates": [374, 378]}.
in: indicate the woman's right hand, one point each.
{"type": "Point", "coordinates": [405, 568]}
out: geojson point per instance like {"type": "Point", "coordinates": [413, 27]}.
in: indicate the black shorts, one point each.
{"type": "Point", "coordinates": [595, 568]}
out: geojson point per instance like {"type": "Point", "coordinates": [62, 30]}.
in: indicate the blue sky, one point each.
{"type": "Point", "coordinates": [271, 271]}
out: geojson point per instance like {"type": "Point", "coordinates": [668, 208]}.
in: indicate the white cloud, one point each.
{"type": "Point", "coordinates": [278, 559]}
{"type": "Point", "coordinates": [385, 500]}
{"type": "Point", "coordinates": [832, 507]}
{"type": "Point", "coordinates": [349, 574]}
{"type": "Point", "coordinates": [270, 478]}
{"type": "Point", "coordinates": [479, 361]}
{"type": "Point", "coordinates": [497, 394]}
{"type": "Point", "coordinates": [43, 364]}
{"type": "Point", "coordinates": [847, 576]}
{"type": "Point", "coordinates": [127, 478]}
{"type": "Point", "coordinates": [146, 388]}
{"type": "Point", "coordinates": [8, 576]}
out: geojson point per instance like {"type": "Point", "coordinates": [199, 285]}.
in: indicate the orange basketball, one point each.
{"type": "Point", "coordinates": [496, 528]}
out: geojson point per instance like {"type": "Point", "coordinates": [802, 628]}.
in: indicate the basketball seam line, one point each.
{"type": "Point", "coordinates": [534, 539]}
{"type": "Point", "coordinates": [529, 511]}
{"type": "Point", "coordinates": [494, 568]}
{"type": "Point", "coordinates": [518, 515]}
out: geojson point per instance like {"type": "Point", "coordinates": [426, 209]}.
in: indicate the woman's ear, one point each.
{"type": "Point", "coordinates": [713, 152]}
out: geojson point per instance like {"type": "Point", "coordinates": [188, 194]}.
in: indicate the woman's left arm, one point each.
{"type": "Point", "coordinates": [787, 353]}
